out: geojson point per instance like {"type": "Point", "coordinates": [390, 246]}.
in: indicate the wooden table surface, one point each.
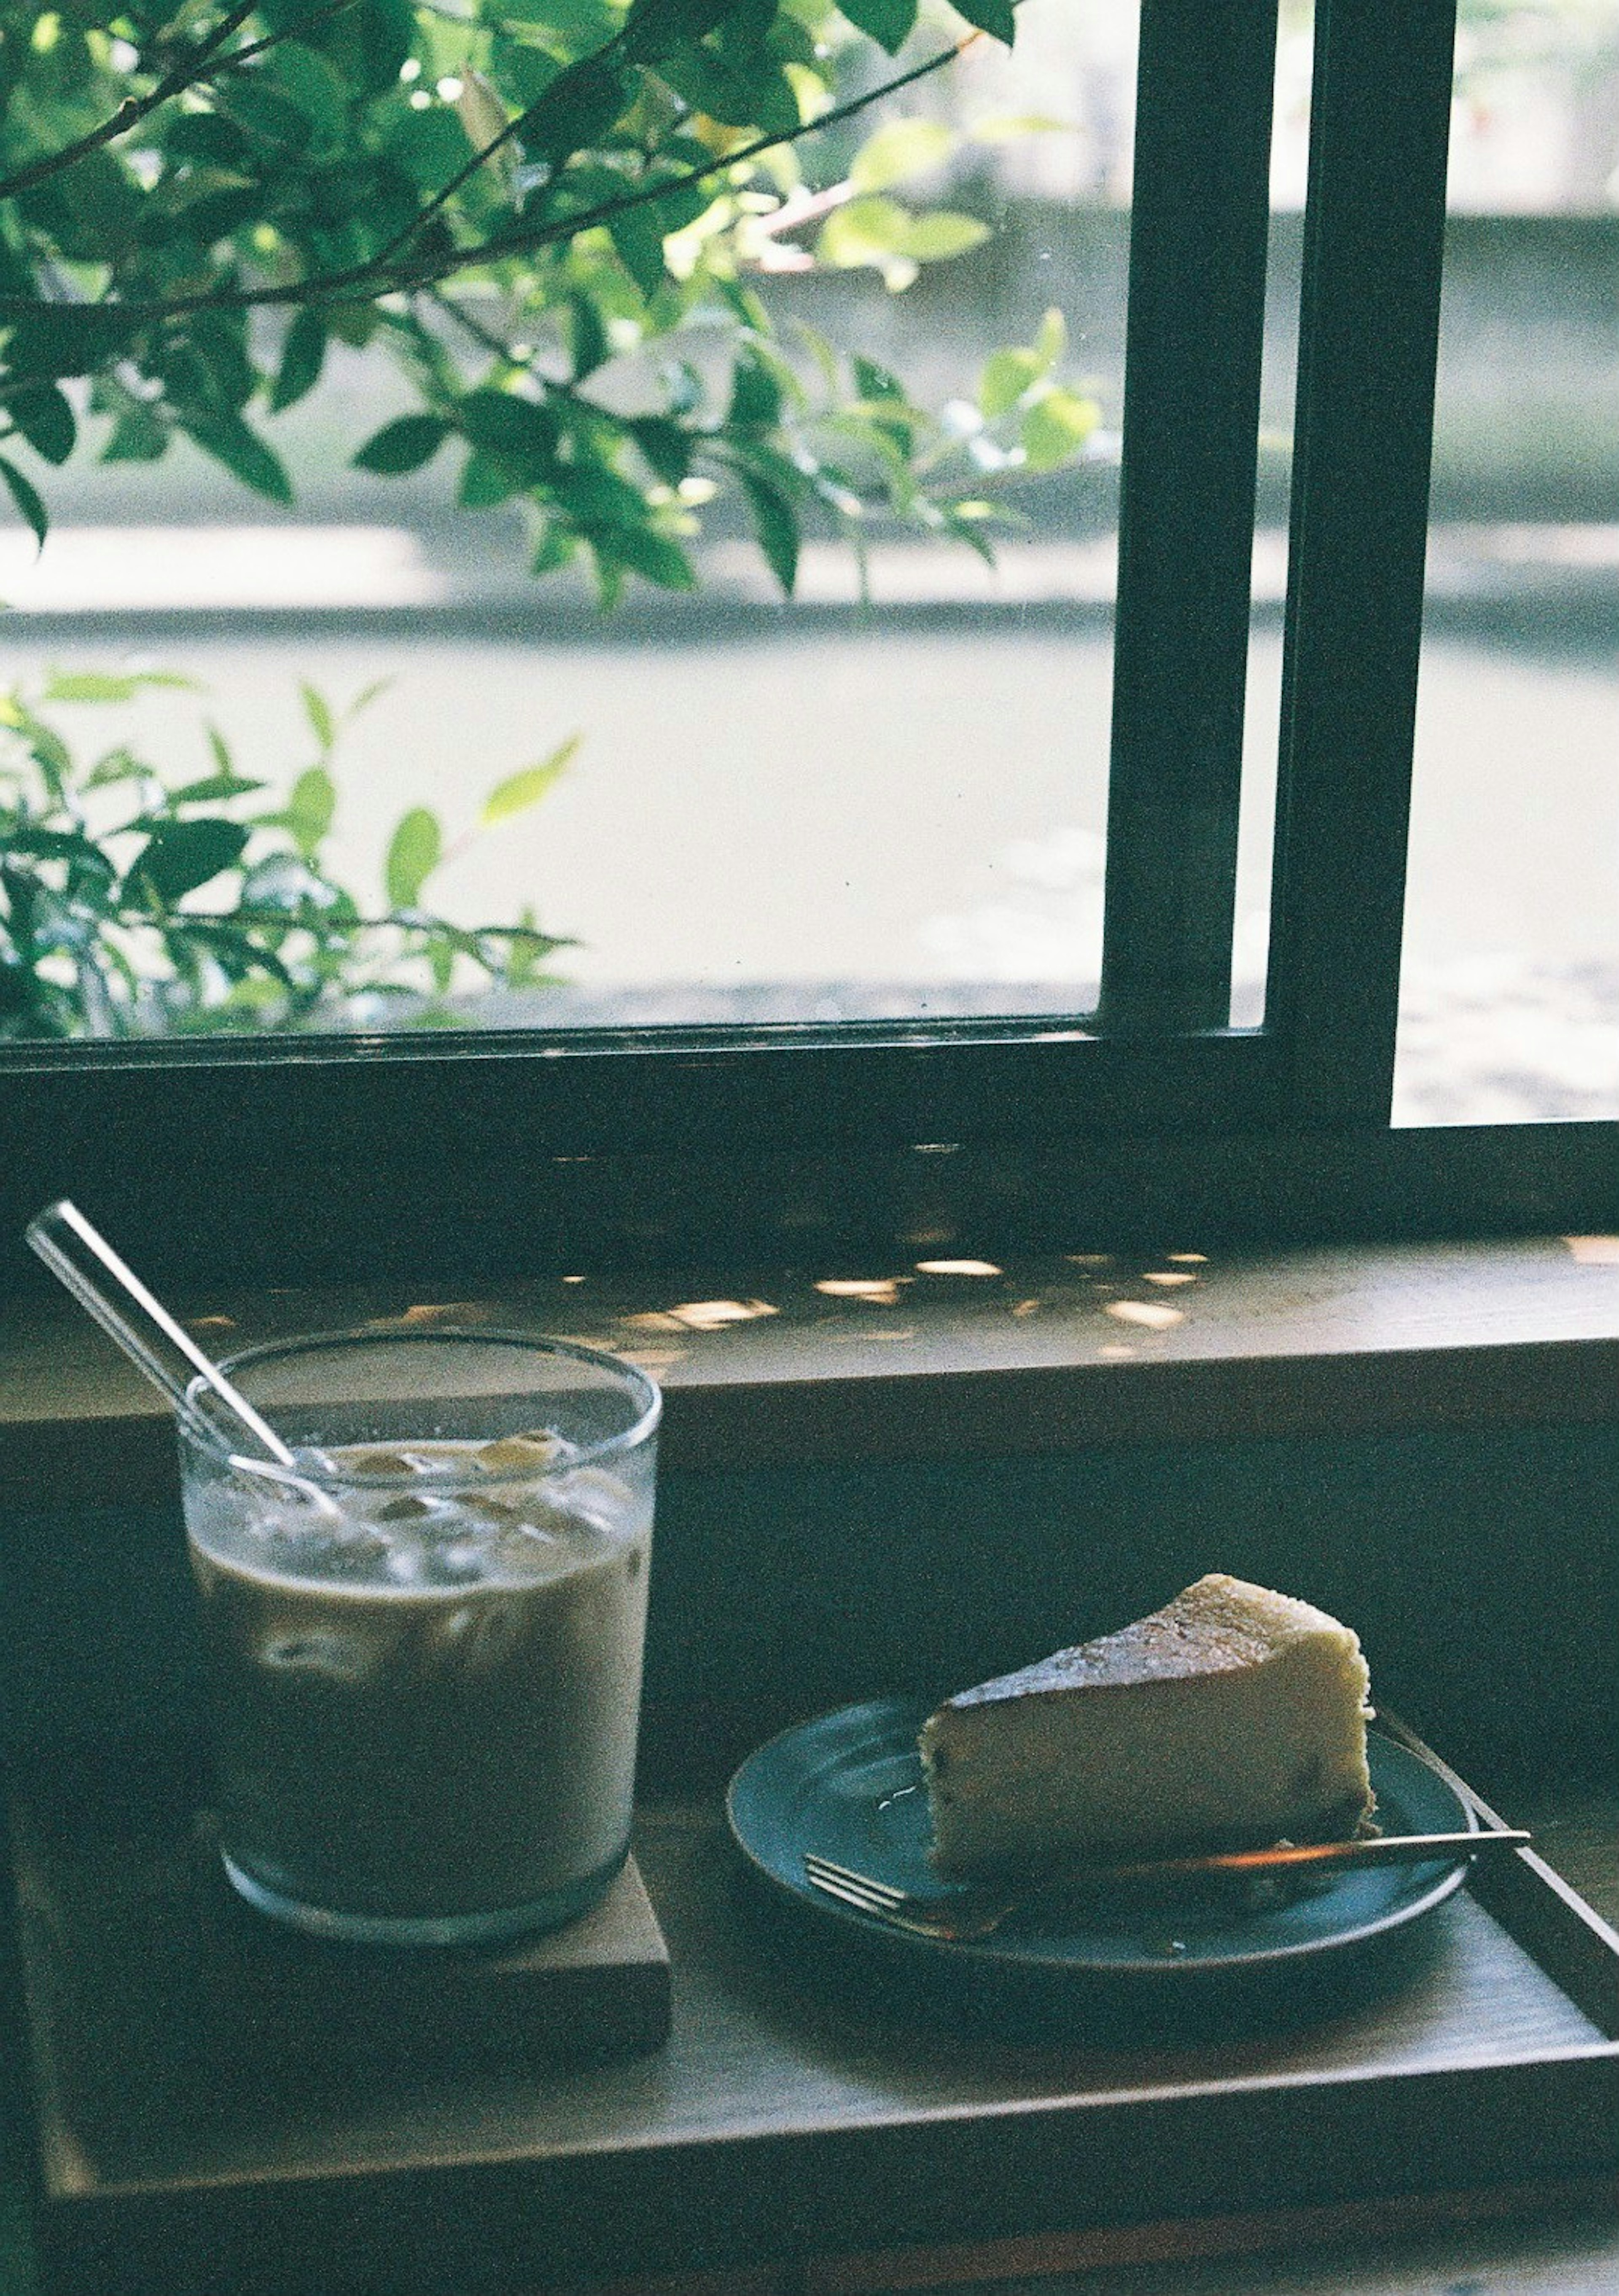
{"type": "Point", "coordinates": [1556, 2244]}
{"type": "Point", "coordinates": [1525, 2240]}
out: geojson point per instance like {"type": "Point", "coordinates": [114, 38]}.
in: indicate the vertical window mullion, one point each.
{"type": "Point", "coordinates": [1193, 347]}
{"type": "Point", "coordinates": [1368, 333]}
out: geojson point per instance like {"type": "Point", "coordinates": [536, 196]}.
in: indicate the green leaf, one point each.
{"type": "Point", "coordinates": [557, 547]}
{"type": "Point", "coordinates": [667, 448]}
{"type": "Point", "coordinates": [638, 237]}
{"type": "Point", "coordinates": [62, 339]}
{"type": "Point", "coordinates": [138, 436]}
{"type": "Point", "coordinates": [864, 231]}
{"type": "Point", "coordinates": [179, 856]}
{"type": "Point", "coordinates": [317, 711]}
{"type": "Point", "coordinates": [646, 553]}
{"type": "Point", "coordinates": [889, 23]}
{"type": "Point", "coordinates": [100, 685]}
{"type": "Point", "coordinates": [1006, 127]}
{"type": "Point", "coordinates": [228, 439]}
{"type": "Point", "coordinates": [995, 17]}
{"type": "Point", "coordinates": [213, 789]}
{"type": "Point", "coordinates": [755, 395]}
{"type": "Point", "coordinates": [935, 237]}
{"type": "Point", "coordinates": [654, 28]}
{"type": "Point", "coordinates": [1056, 427]}
{"type": "Point", "coordinates": [276, 125]}
{"type": "Point", "coordinates": [520, 791]}
{"type": "Point", "coordinates": [46, 746]}
{"type": "Point", "coordinates": [312, 801]}
{"type": "Point", "coordinates": [302, 355]}
{"type": "Point", "coordinates": [969, 529]}
{"type": "Point", "coordinates": [404, 445]}
{"type": "Point", "coordinates": [26, 498]}
{"type": "Point", "coordinates": [518, 431]}
{"type": "Point", "coordinates": [316, 88]}
{"type": "Point", "coordinates": [1052, 341]}
{"type": "Point", "coordinates": [901, 148]}
{"type": "Point", "coordinates": [597, 496]}
{"type": "Point", "coordinates": [486, 479]}
{"type": "Point", "coordinates": [207, 136]}
{"type": "Point", "coordinates": [45, 420]}
{"type": "Point", "coordinates": [1007, 375]}
{"type": "Point", "coordinates": [414, 853]}
{"type": "Point", "coordinates": [875, 382]}
{"type": "Point", "coordinates": [430, 147]}
{"type": "Point", "coordinates": [587, 23]}
{"type": "Point", "coordinates": [776, 522]}
{"type": "Point", "coordinates": [590, 348]}
{"type": "Point", "coordinates": [579, 106]}
{"type": "Point", "coordinates": [58, 845]}
{"type": "Point", "coordinates": [119, 765]}
{"type": "Point", "coordinates": [367, 43]}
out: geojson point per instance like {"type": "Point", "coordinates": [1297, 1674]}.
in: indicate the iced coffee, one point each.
{"type": "Point", "coordinates": [424, 1655]}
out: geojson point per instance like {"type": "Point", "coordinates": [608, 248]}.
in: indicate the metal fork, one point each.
{"type": "Point", "coordinates": [971, 1912]}
{"type": "Point", "coordinates": [967, 1913]}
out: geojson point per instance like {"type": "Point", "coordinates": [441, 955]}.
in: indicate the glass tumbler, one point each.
{"type": "Point", "coordinates": [424, 1639]}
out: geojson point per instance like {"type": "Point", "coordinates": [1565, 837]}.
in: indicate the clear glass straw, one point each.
{"type": "Point", "coordinates": [99, 1279]}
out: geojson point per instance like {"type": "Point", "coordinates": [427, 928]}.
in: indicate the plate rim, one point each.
{"type": "Point", "coordinates": [983, 1953]}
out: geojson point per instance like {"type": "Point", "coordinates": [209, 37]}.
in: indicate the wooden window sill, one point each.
{"type": "Point", "coordinates": [942, 1359]}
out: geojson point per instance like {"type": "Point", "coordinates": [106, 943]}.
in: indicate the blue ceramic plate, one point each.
{"type": "Point", "coordinates": [849, 1786]}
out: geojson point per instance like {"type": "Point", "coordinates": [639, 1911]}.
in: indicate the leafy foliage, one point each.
{"type": "Point", "coordinates": [548, 215]}
{"type": "Point", "coordinates": [130, 905]}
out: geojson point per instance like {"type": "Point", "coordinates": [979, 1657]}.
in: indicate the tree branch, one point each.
{"type": "Point", "coordinates": [547, 235]}
{"type": "Point", "coordinates": [134, 109]}
{"type": "Point", "coordinates": [373, 277]}
{"type": "Point", "coordinates": [290, 32]}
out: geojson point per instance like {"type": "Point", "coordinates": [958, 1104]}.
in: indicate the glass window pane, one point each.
{"type": "Point", "coordinates": [887, 797]}
{"type": "Point", "coordinates": [1509, 1003]}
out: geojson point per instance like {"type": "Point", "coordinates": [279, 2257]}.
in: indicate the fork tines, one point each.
{"type": "Point", "coordinates": [825, 1871]}
{"type": "Point", "coordinates": [856, 1890]}
{"type": "Point", "coordinates": [950, 1918]}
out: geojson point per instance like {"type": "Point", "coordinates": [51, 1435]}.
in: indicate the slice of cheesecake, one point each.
{"type": "Point", "coordinates": [1231, 1718]}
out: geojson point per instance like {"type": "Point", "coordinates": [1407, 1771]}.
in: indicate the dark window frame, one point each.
{"type": "Point", "coordinates": [466, 1156]}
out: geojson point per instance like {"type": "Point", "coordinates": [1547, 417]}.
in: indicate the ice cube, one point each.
{"type": "Point", "coordinates": [478, 1634]}
{"type": "Point", "coordinates": [593, 1497]}
{"type": "Point", "coordinates": [302, 1543]}
{"type": "Point", "coordinates": [501, 1513]}
{"type": "Point", "coordinates": [412, 1506]}
{"type": "Point", "coordinates": [358, 1552]}
{"type": "Point", "coordinates": [457, 1564]}
{"type": "Point", "coordinates": [517, 1455]}
{"type": "Point", "coordinates": [342, 1657]}
{"type": "Point", "coordinates": [395, 1462]}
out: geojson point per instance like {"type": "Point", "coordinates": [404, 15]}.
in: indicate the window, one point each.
{"type": "Point", "coordinates": [288, 1160]}
{"type": "Point", "coordinates": [1508, 999]}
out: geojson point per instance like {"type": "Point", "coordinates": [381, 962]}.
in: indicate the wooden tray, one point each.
{"type": "Point", "coordinates": [802, 2110]}
{"type": "Point", "coordinates": [138, 1954]}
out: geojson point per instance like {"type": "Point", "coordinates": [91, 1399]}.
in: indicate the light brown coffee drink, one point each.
{"type": "Point", "coordinates": [425, 1669]}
